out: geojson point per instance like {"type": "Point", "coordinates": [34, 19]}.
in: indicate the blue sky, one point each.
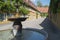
{"type": "Point", "coordinates": [44, 2]}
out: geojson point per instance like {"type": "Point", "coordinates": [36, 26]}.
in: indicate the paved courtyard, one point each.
{"type": "Point", "coordinates": [26, 24]}
{"type": "Point", "coordinates": [41, 23]}
{"type": "Point", "coordinates": [53, 32]}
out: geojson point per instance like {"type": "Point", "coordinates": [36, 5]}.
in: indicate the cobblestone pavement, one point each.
{"type": "Point", "coordinates": [26, 24]}
{"type": "Point", "coordinates": [41, 23]}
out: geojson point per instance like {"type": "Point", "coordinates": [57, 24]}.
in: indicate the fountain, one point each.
{"type": "Point", "coordinates": [27, 33]}
{"type": "Point", "coordinates": [17, 25]}
{"type": "Point", "coordinates": [20, 33]}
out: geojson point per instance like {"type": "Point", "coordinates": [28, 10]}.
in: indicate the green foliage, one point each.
{"type": "Point", "coordinates": [54, 6]}
{"type": "Point", "coordinates": [39, 3]}
{"type": "Point", "coordinates": [21, 1]}
{"type": "Point", "coordinates": [2, 0]}
{"type": "Point", "coordinates": [44, 14]}
{"type": "Point", "coordinates": [9, 6]}
{"type": "Point", "coordinates": [58, 9]}
{"type": "Point", "coordinates": [23, 10]}
{"type": "Point", "coordinates": [46, 6]}
{"type": "Point", "coordinates": [1, 4]}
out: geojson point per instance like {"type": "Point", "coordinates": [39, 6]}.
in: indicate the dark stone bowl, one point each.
{"type": "Point", "coordinates": [17, 19]}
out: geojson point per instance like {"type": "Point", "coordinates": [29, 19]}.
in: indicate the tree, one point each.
{"type": "Point", "coordinates": [24, 11]}
{"type": "Point", "coordinates": [22, 8]}
{"type": "Point", "coordinates": [6, 7]}
{"type": "Point", "coordinates": [45, 6]}
{"type": "Point", "coordinates": [1, 4]}
{"type": "Point", "coordinates": [39, 4]}
{"type": "Point", "coordinates": [10, 7]}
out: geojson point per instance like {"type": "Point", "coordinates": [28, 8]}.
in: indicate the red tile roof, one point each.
{"type": "Point", "coordinates": [43, 9]}
{"type": "Point", "coordinates": [40, 9]}
{"type": "Point", "coordinates": [31, 5]}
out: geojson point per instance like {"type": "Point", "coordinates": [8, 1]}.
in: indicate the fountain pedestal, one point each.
{"type": "Point", "coordinates": [17, 25]}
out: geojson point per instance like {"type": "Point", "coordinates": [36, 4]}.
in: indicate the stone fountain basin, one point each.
{"type": "Point", "coordinates": [35, 34]}
{"type": "Point", "coordinates": [17, 19]}
{"type": "Point", "coordinates": [27, 34]}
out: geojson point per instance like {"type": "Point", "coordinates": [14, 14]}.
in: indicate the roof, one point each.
{"type": "Point", "coordinates": [43, 9]}
{"type": "Point", "coordinates": [34, 7]}
{"type": "Point", "coordinates": [31, 5]}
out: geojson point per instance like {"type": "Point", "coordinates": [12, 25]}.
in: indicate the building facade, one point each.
{"type": "Point", "coordinates": [54, 12]}
{"type": "Point", "coordinates": [33, 15]}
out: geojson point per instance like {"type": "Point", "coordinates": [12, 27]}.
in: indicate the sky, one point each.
{"type": "Point", "coordinates": [44, 2]}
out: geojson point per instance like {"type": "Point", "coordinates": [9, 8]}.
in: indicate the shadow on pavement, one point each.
{"type": "Point", "coordinates": [50, 28]}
